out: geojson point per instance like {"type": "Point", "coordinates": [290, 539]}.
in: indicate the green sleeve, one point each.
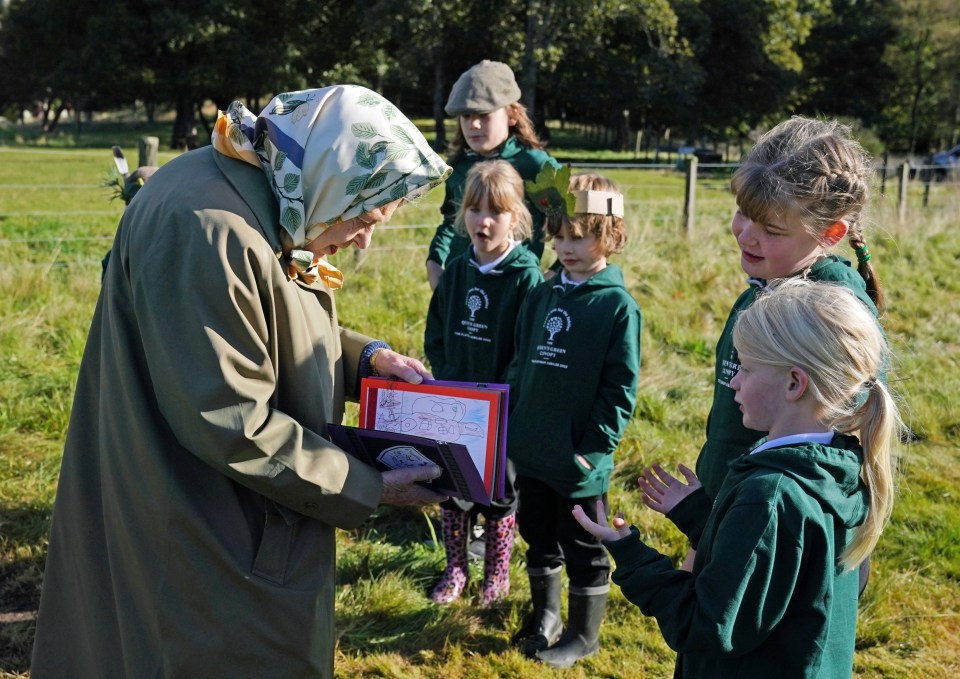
{"type": "Point", "coordinates": [617, 392]}
{"type": "Point", "coordinates": [690, 515]}
{"type": "Point", "coordinates": [433, 333]}
{"type": "Point", "coordinates": [440, 245]}
{"type": "Point", "coordinates": [447, 231]}
{"type": "Point", "coordinates": [737, 597]}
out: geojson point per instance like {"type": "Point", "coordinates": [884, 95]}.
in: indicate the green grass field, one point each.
{"type": "Point", "coordinates": [56, 222]}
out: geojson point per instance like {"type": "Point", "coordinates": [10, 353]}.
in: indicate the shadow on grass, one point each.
{"type": "Point", "coordinates": [429, 630]}
{"type": "Point", "coordinates": [21, 574]}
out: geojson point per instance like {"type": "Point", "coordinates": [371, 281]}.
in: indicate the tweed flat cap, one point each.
{"type": "Point", "coordinates": [483, 88]}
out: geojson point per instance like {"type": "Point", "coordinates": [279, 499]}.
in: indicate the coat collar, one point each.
{"type": "Point", "coordinates": [251, 185]}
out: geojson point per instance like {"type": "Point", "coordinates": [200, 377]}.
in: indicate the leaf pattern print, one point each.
{"type": "Point", "coordinates": [390, 156]}
{"type": "Point", "coordinates": [285, 108]}
{"type": "Point", "coordinates": [363, 156]}
{"type": "Point", "coordinates": [399, 190]}
{"type": "Point", "coordinates": [376, 181]}
{"type": "Point", "coordinates": [291, 219]}
{"type": "Point", "coordinates": [401, 134]}
{"type": "Point", "coordinates": [299, 114]}
{"type": "Point", "coordinates": [369, 99]}
{"type": "Point", "coordinates": [355, 185]}
{"type": "Point", "coordinates": [237, 136]}
{"type": "Point", "coordinates": [364, 130]}
{"type": "Point", "coordinates": [398, 151]}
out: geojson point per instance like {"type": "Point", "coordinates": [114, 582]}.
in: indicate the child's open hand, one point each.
{"type": "Point", "coordinates": [600, 528]}
{"type": "Point", "coordinates": [661, 491]}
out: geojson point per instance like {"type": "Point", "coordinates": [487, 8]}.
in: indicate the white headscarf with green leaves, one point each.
{"type": "Point", "coordinates": [330, 154]}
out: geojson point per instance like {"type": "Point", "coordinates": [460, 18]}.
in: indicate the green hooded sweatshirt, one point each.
{"type": "Point", "coordinates": [447, 243]}
{"type": "Point", "coordinates": [472, 316]}
{"type": "Point", "coordinates": [573, 381]}
{"type": "Point", "coordinates": [727, 438]}
{"type": "Point", "coordinates": [767, 596]}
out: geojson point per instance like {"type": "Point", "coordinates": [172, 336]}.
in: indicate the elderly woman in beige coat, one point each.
{"type": "Point", "coordinates": [193, 530]}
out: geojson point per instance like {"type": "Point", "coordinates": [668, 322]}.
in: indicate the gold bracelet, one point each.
{"type": "Point", "coordinates": [373, 362]}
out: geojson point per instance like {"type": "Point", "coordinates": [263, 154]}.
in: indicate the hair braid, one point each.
{"type": "Point", "coordinates": [864, 267]}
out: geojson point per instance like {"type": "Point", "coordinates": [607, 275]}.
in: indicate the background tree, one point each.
{"type": "Point", "coordinates": [748, 51]}
{"type": "Point", "coordinates": [921, 109]}
{"type": "Point", "coordinates": [843, 69]}
{"type": "Point", "coordinates": [707, 69]}
{"type": "Point", "coordinates": [623, 62]}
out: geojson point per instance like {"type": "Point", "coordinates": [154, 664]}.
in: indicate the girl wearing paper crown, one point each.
{"type": "Point", "coordinates": [573, 384]}
{"type": "Point", "coordinates": [491, 123]}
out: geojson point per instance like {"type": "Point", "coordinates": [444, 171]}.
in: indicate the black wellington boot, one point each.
{"type": "Point", "coordinates": [543, 626]}
{"type": "Point", "coordinates": [582, 638]}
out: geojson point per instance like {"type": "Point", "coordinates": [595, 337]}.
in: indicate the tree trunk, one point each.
{"type": "Point", "coordinates": [203, 121]}
{"type": "Point", "coordinates": [529, 67]}
{"type": "Point", "coordinates": [182, 124]}
{"type": "Point", "coordinates": [917, 92]}
{"type": "Point", "coordinates": [439, 118]}
{"type": "Point", "coordinates": [56, 118]}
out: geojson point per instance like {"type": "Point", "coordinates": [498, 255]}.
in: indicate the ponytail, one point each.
{"type": "Point", "coordinates": [878, 423]}
{"type": "Point", "coordinates": [864, 267]}
{"type": "Point", "coordinates": [827, 331]}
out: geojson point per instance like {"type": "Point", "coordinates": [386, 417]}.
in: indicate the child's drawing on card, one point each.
{"type": "Point", "coordinates": [388, 411]}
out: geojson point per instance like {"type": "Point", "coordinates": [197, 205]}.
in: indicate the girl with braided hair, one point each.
{"type": "Point", "coordinates": [800, 191]}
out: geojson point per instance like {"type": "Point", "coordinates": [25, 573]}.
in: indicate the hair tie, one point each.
{"type": "Point", "coordinates": [863, 393]}
{"type": "Point", "coordinates": [863, 254]}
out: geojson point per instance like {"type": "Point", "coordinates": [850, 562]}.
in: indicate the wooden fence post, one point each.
{"type": "Point", "coordinates": [902, 193]}
{"type": "Point", "coordinates": [883, 173]}
{"type": "Point", "coordinates": [148, 151]}
{"type": "Point", "coordinates": [689, 195]}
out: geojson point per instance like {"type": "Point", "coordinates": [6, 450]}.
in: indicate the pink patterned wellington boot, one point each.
{"type": "Point", "coordinates": [496, 560]}
{"type": "Point", "coordinates": [455, 543]}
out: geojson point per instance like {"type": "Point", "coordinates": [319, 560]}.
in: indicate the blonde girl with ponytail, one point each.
{"type": "Point", "coordinates": [774, 585]}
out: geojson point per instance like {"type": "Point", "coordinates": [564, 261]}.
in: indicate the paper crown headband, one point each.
{"type": "Point", "coordinates": [550, 193]}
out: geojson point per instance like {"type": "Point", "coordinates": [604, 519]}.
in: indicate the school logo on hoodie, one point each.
{"type": "Point", "coordinates": [475, 300]}
{"type": "Point", "coordinates": [556, 324]}
{"type": "Point", "coordinates": [729, 366]}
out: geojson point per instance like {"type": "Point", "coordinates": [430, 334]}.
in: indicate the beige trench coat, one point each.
{"type": "Point", "coordinates": [193, 530]}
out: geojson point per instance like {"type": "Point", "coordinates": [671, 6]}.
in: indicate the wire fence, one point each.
{"type": "Point", "coordinates": [659, 193]}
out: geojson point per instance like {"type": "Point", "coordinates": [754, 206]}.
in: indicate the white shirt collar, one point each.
{"type": "Point", "coordinates": [813, 437]}
{"type": "Point", "coordinates": [567, 281]}
{"type": "Point", "coordinates": [487, 268]}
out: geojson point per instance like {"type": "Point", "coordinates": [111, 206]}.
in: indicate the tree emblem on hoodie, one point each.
{"type": "Point", "coordinates": [556, 320]}
{"type": "Point", "coordinates": [476, 299]}
{"type": "Point", "coordinates": [474, 304]}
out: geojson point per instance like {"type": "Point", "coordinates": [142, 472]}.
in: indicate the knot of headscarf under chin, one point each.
{"type": "Point", "coordinates": [305, 265]}
{"type": "Point", "coordinates": [329, 155]}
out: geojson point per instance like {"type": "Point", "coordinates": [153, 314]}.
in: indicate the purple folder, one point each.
{"type": "Point", "coordinates": [385, 450]}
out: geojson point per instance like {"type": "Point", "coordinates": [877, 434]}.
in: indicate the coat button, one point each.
{"type": "Point", "coordinates": [311, 505]}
